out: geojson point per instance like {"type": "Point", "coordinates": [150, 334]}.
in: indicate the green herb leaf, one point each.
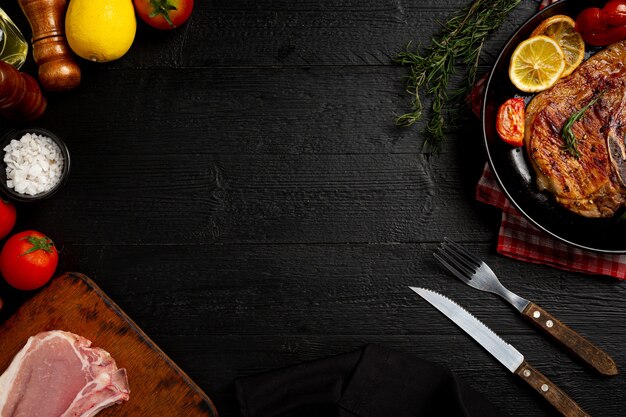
{"type": "Point", "coordinates": [460, 42]}
{"type": "Point", "coordinates": [571, 142]}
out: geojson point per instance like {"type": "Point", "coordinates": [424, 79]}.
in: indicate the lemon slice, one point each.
{"type": "Point", "coordinates": [561, 29]}
{"type": "Point", "coordinates": [536, 64]}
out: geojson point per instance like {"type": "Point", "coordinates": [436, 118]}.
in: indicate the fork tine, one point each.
{"type": "Point", "coordinates": [462, 251]}
{"type": "Point", "coordinates": [452, 265]}
{"type": "Point", "coordinates": [452, 252]}
{"type": "Point", "coordinates": [460, 275]}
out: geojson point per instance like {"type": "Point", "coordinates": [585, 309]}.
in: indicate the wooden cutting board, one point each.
{"type": "Point", "coordinates": [72, 302]}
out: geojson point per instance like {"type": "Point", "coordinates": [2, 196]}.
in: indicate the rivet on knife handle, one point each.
{"type": "Point", "coordinates": [581, 347]}
{"type": "Point", "coordinates": [546, 388]}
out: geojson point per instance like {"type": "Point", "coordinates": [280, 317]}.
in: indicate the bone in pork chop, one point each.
{"type": "Point", "coordinates": [58, 374]}
{"type": "Point", "coordinates": [594, 184]}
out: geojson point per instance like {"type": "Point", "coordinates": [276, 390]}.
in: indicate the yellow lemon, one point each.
{"type": "Point", "coordinates": [100, 30]}
{"type": "Point", "coordinates": [561, 29]}
{"type": "Point", "coordinates": [536, 64]}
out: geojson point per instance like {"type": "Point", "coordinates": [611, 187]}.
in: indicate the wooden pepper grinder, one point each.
{"type": "Point", "coordinates": [20, 96]}
{"type": "Point", "coordinates": [58, 71]}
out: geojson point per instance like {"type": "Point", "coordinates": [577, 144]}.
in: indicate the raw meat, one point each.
{"type": "Point", "coordinates": [58, 374]}
{"type": "Point", "coordinates": [594, 185]}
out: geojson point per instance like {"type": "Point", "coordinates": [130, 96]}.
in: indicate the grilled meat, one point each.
{"type": "Point", "coordinates": [594, 184]}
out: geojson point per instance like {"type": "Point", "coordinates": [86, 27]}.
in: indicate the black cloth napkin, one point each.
{"type": "Point", "coordinates": [372, 382]}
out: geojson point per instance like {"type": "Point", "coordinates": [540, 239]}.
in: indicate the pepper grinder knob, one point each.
{"type": "Point", "coordinates": [58, 71]}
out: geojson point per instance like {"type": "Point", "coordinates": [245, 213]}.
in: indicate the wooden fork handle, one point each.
{"type": "Point", "coordinates": [574, 342]}
{"type": "Point", "coordinates": [548, 390]}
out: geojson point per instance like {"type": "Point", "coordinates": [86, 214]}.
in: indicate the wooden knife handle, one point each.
{"type": "Point", "coordinates": [546, 388]}
{"type": "Point", "coordinates": [574, 342]}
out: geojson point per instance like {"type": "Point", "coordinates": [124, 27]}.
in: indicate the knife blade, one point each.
{"type": "Point", "coordinates": [505, 353]}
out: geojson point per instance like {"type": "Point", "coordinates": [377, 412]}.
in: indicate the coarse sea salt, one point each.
{"type": "Point", "coordinates": [34, 164]}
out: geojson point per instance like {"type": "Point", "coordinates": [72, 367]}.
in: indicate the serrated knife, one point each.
{"type": "Point", "coordinates": [506, 354]}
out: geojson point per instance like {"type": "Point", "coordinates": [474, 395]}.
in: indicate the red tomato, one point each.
{"type": "Point", "coordinates": [7, 218]}
{"type": "Point", "coordinates": [604, 26]}
{"type": "Point", "coordinates": [510, 121]}
{"type": "Point", "coordinates": [588, 20]}
{"type": "Point", "coordinates": [28, 260]}
{"type": "Point", "coordinates": [614, 12]}
{"type": "Point", "coordinates": [164, 14]}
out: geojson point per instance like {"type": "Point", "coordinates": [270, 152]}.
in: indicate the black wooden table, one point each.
{"type": "Point", "coordinates": [240, 189]}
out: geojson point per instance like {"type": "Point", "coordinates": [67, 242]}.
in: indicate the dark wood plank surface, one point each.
{"type": "Point", "coordinates": [238, 185]}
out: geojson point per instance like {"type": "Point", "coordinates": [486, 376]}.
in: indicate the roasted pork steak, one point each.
{"type": "Point", "coordinates": [59, 374]}
{"type": "Point", "coordinates": [592, 185]}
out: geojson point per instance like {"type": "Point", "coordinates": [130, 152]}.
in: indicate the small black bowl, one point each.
{"type": "Point", "coordinates": [17, 135]}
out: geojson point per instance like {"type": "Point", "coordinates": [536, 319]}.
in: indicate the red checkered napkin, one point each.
{"type": "Point", "coordinates": [519, 239]}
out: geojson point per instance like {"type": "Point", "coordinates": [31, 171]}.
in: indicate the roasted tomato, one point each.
{"type": "Point", "coordinates": [164, 14]}
{"type": "Point", "coordinates": [603, 26]}
{"type": "Point", "coordinates": [7, 218]}
{"type": "Point", "coordinates": [510, 121]}
{"type": "Point", "coordinates": [28, 260]}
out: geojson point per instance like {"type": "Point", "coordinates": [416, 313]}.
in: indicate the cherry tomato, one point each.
{"type": "Point", "coordinates": [510, 121]}
{"type": "Point", "coordinates": [28, 260]}
{"type": "Point", "coordinates": [7, 218]}
{"type": "Point", "coordinates": [588, 20]}
{"type": "Point", "coordinates": [614, 13]}
{"type": "Point", "coordinates": [164, 14]}
{"type": "Point", "coordinates": [604, 26]}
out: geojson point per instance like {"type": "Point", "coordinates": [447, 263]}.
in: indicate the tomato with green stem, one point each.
{"type": "Point", "coordinates": [164, 14]}
{"type": "Point", "coordinates": [28, 260]}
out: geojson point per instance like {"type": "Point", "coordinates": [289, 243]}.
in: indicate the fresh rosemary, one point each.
{"type": "Point", "coordinates": [460, 42]}
{"type": "Point", "coordinates": [571, 142]}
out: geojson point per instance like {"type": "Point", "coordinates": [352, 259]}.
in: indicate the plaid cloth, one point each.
{"type": "Point", "coordinates": [519, 239]}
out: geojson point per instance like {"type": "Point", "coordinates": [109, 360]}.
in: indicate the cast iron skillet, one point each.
{"type": "Point", "coordinates": [514, 172]}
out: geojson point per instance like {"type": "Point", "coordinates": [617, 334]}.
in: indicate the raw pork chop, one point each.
{"type": "Point", "coordinates": [593, 185]}
{"type": "Point", "coordinates": [58, 374]}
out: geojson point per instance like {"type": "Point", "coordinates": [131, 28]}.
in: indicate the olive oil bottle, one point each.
{"type": "Point", "coordinates": [13, 46]}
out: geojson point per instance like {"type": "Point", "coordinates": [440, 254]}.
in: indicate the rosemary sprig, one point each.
{"type": "Point", "coordinates": [571, 142]}
{"type": "Point", "coordinates": [460, 42]}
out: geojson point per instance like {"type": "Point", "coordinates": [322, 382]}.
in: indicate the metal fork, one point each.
{"type": "Point", "coordinates": [474, 272]}
{"type": "Point", "coordinates": [477, 274]}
